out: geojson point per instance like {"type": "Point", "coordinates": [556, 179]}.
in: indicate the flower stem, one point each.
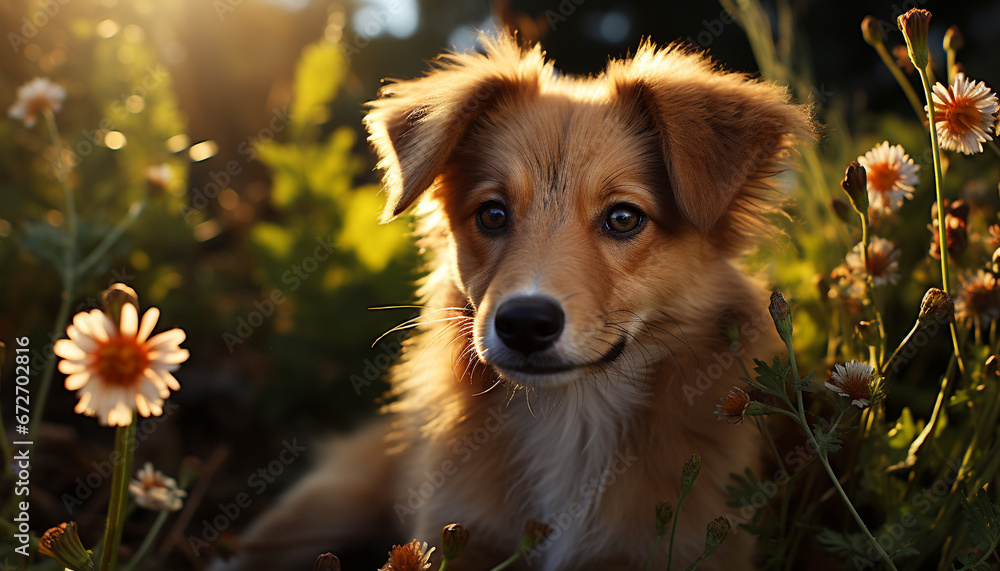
{"type": "Point", "coordinates": [821, 454]}
{"type": "Point", "coordinates": [124, 451]}
{"type": "Point", "coordinates": [443, 567]}
{"type": "Point", "coordinates": [673, 531]}
{"type": "Point", "coordinates": [507, 562]}
{"type": "Point", "coordinates": [652, 555]}
{"type": "Point", "coordinates": [110, 239]}
{"type": "Point", "coordinates": [154, 532]}
{"type": "Point", "coordinates": [68, 274]}
{"type": "Point", "coordinates": [904, 83]}
{"type": "Point", "coordinates": [942, 229]}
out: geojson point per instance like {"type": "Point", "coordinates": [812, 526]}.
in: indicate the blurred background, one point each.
{"type": "Point", "coordinates": [260, 237]}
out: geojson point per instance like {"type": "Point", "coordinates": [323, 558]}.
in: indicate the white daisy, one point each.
{"type": "Point", "coordinates": [117, 370]}
{"type": "Point", "coordinates": [963, 114]}
{"type": "Point", "coordinates": [854, 381]}
{"type": "Point", "coordinates": [891, 176]}
{"type": "Point", "coordinates": [154, 491]}
{"type": "Point", "coordinates": [34, 98]}
{"type": "Point", "coordinates": [883, 261]}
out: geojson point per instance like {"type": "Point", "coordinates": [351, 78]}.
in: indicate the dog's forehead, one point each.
{"type": "Point", "coordinates": [556, 139]}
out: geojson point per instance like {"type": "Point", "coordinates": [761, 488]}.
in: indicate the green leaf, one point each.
{"type": "Point", "coordinates": [828, 442]}
{"type": "Point", "coordinates": [984, 523]}
{"type": "Point", "coordinates": [274, 240]}
{"type": "Point", "coordinates": [318, 76]}
{"type": "Point", "coordinates": [771, 379]}
{"type": "Point", "coordinates": [843, 545]}
{"type": "Point", "coordinates": [805, 384]}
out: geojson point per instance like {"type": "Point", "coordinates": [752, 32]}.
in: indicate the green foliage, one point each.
{"type": "Point", "coordinates": [828, 442]}
{"type": "Point", "coordinates": [327, 254]}
{"type": "Point", "coordinates": [983, 517]}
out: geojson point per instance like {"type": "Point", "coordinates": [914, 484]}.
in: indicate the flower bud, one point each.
{"type": "Point", "coordinates": [914, 25]}
{"type": "Point", "coordinates": [953, 39]}
{"type": "Point", "coordinates": [717, 531]}
{"type": "Point", "coordinates": [327, 562]}
{"type": "Point", "coordinates": [936, 307]}
{"type": "Point", "coordinates": [689, 474]}
{"type": "Point", "coordinates": [115, 297]}
{"type": "Point", "coordinates": [872, 31]}
{"type": "Point", "coordinates": [664, 512]}
{"type": "Point", "coordinates": [782, 317]}
{"type": "Point", "coordinates": [62, 543]}
{"type": "Point", "coordinates": [454, 538]}
{"type": "Point", "coordinates": [855, 184]}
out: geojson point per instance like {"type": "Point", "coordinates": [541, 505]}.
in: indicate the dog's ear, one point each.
{"type": "Point", "coordinates": [415, 125]}
{"type": "Point", "coordinates": [722, 134]}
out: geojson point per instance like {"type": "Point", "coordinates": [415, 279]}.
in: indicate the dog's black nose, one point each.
{"type": "Point", "coordinates": [529, 324]}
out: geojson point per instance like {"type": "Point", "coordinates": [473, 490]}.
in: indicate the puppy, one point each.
{"type": "Point", "coordinates": [582, 236]}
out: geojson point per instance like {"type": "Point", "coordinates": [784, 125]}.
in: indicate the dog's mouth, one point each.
{"type": "Point", "coordinates": [535, 366]}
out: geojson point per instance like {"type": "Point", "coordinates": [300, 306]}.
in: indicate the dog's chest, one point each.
{"type": "Point", "coordinates": [567, 459]}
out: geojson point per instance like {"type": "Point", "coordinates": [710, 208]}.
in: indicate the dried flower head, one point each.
{"type": "Point", "coordinates": [155, 491]}
{"type": "Point", "coordinates": [35, 98]}
{"type": "Point", "coordinates": [62, 543]}
{"type": "Point", "coordinates": [964, 114]}
{"type": "Point", "coordinates": [689, 474]}
{"type": "Point", "coordinates": [978, 303]}
{"type": "Point", "coordinates": [733, 406]}
{"type": "Point", "coordinates": [956, 235]}
{"type": "Point", "coordinates": [915, 25]}
{"type": "Point", "coordinates": [454, 538]}
{"type": "Point", "coordinates": [118, 369]}
{"type": "Point", "coordinates": [664, 512]}
{"type": "Point", "coordinates": [782, 316]}
{"type": "Point", "coordinates": [327, 562]}
{"type": "Point", "coordinates": [853, 380]}
{"type": "Point", "coordinates": [882, 264]}
{"type": "Point", "coordinates": [412, 556]}
{"type": "Point", "coordinates": [891, 176]}
{"type": "Point", "coordinates": [716, 533]}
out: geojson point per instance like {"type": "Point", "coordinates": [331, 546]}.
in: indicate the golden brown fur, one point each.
{"type": "Point", "coordinates": [589, 433]}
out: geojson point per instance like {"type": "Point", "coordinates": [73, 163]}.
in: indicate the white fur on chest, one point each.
{"type": "Point", "coordinates": [568, 452]}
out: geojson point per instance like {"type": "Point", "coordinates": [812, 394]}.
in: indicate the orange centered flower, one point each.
{"type": "Point", "coordinates": [118, 370]}
{"type": "Point", "coordinates": [883, 262]}
{"type": "Point", "coordinates": [891, 176]}
{"type": "Point", "coordinates": [733, 406]}
{"type": "Point", "coordinates": [412, 556]}
{"type": "Point", "coordinates": [964, 114]}
{"type": "Point", "coordinates": [979, 301]}
{"type": "Point", "coordinates": [120, 361]}
{"type": "Point", "coordinates": [854, 381]}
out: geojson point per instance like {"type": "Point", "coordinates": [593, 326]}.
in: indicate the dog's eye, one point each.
{"type": "Point", "coordinates": [624, 220]}
{"type": "Point", "coordinates": [492, 216]}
